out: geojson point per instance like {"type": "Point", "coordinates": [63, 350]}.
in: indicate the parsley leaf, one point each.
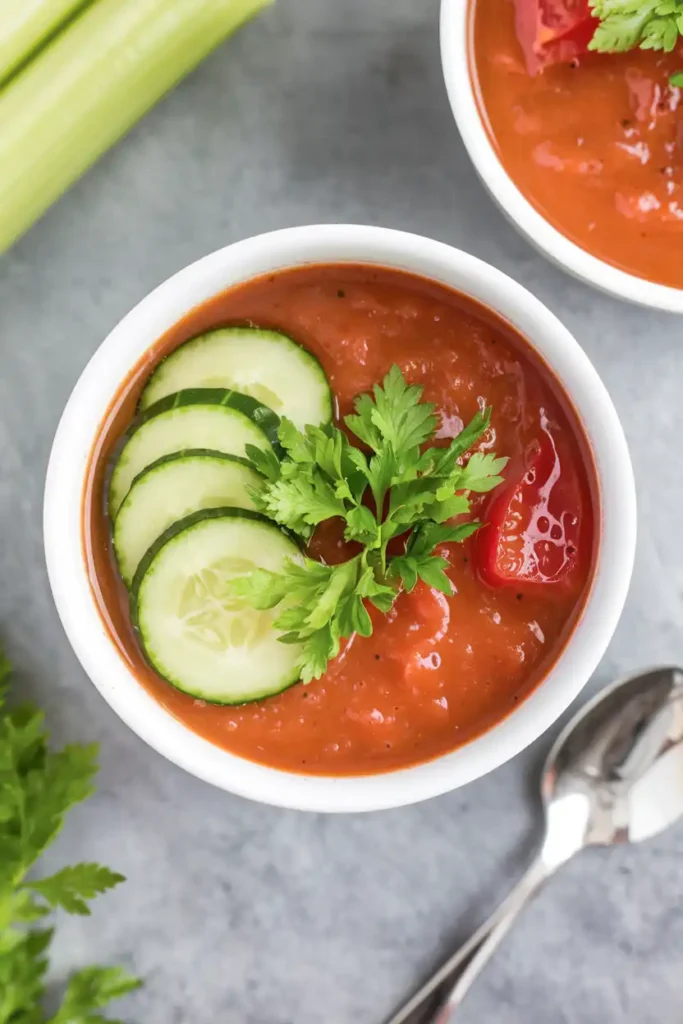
{"type": "Point", "coordinates": [300, 501]}
{"type": "Point", "coordinates": [482, 473]}
{"type": "Point", "coordinates": [418, 562]}
{"type": "Point", "coordinates": [22, 974]}
{"type": "Point", "coordinates": [318, 603]}
{"type": "Point", "coordinates": [37, 789]}
{"type": "Point", "coordinates": [71, 887]}
{"type": "Point", "coordinates": [405, 490]}
{"type": "Point", "coordinates": [394, 423]}
{"type": "Point", "coordinates": [428, 535]}
{"type": "Point", "coordinates": [319, 479]}
{"type": "Point", "coordinates": [91, 989]}
{"type": "Point", "coordinates": [627, 24]}
{"type": "Point", "coordinates": [396, 417]}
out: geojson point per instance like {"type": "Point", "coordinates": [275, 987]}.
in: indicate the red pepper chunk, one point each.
{"type": "Point", "coordinates": [533, 522]}
{"type": "Point", "coordinates": [553, 31]}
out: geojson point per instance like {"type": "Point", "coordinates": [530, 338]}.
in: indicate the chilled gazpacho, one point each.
{"type": "Point", "coordinates": [594, 140]}
{"type": "Point", "coordinates": [341, 519]}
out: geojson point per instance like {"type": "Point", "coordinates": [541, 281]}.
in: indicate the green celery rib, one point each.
{"type": "Point", "coordinates": [90, 85]}
{"type": "Point", "coordinates": [25, 24]}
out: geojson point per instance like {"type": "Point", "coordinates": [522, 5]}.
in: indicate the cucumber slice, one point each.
{"type": "Point", "coordinates": [170, 489]}
{"type": "Point", "coordinates": [214, 418]}
{"type": "Point", "coordinates": [193, 634]}
{"type": "Point", "coordinates": [264, 364]}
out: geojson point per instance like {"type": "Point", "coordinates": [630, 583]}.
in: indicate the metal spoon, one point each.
{"type": "Point", "coordinates": [614, 775]}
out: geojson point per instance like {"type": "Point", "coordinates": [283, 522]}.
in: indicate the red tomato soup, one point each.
{"type": "Point", "coordinates": [437, 670]}
{"type": "Point", "coordinates": [595, 143]}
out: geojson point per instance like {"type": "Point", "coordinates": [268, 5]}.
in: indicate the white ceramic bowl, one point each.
{"type": "Point", "coordinates": [143, 326]}
{"type": "Point", "coordinates": [455, 32]}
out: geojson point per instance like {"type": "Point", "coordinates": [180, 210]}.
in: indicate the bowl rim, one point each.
{"type": "Point", "coordinates": [454, 33]}
{"type": "Point", "coordinates": [164, 306]}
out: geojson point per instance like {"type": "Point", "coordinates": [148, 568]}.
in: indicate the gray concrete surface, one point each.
{"type": "Point", "coordinates": [239, 914]}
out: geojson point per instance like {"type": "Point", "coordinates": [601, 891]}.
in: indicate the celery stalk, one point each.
{"type": "Point", "coordinates": [25, 24]}
{"type": "Point", "coordinates": [90, 85]}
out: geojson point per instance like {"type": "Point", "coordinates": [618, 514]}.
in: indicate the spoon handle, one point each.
{"type": "Point", "coordinates": [439, 998]}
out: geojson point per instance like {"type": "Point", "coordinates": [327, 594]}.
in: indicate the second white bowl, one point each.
{"type": "Point", "coordinates": [455, 56]}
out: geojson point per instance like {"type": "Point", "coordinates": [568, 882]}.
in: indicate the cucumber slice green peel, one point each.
{"type": "Point", "coordinates": [193, 633]}
{"type": "Point", "coordinates": [258, 413]}
{"type": "Point", "coordinates": [218, 419]}
{"type": "Point", "coordinates": [172, 488]}
{"type": "Point", "coordinates": [188, 453]}
{"type": "Point", "coordinates": [267, 365]}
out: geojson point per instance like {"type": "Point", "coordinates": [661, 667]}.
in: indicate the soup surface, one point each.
{"type": "Point", "coordinates": [437, 670]}
{"type": "Point", "coordinates": [595, 144]}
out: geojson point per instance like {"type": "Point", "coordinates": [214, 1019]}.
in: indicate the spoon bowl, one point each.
{"type": "Point", "coordinates": [613, 775]}
{"type": "Point", "coordinates": [615, 772]}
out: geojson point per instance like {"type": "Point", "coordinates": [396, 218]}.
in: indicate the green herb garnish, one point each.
{"type": "Point", "coordinates": [627, 24]}
{"type": "Point", "coordinates": [37, 788]}
{"type": "Point", "coordinates": [403, 487]}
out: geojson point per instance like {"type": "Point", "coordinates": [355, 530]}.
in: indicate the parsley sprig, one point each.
{"type": "Point", "coordinates": [397, 485]}
{"type": "Point", "coordinates": [627, 24]}
{"type": "Point", "coordinates": [37, 788]}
